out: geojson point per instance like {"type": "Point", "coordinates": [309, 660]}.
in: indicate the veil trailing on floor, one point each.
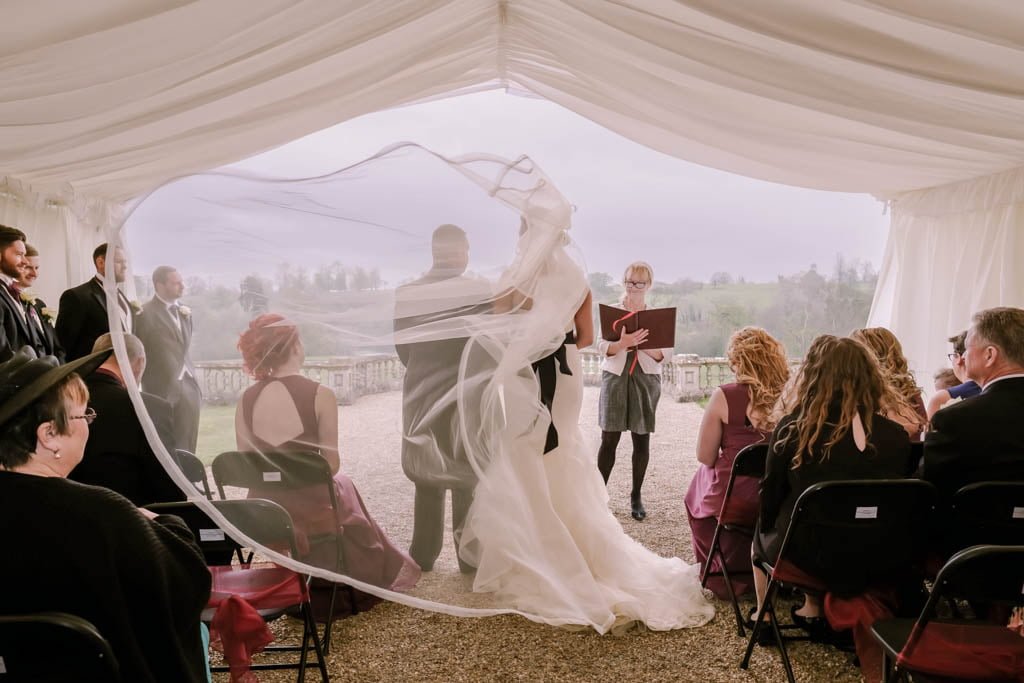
{"type": "Point", "coordinates": [422, 288]}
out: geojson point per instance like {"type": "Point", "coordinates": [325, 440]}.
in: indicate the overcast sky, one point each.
{"type": "Point", "coordinates": [632, 203]}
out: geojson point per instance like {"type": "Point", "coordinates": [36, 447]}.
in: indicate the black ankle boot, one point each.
{"type": "Point", "coordinates": [638, 511]}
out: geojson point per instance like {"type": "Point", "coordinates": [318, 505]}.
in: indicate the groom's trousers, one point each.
{"type": "Point", "coordinates": [428, 523]}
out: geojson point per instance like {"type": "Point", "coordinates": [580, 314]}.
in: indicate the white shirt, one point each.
{"type": "Point", "coordinates": [123, 312]}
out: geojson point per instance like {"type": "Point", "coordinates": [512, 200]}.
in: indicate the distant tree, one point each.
{"type": "Point", "coordinates": [721, 279]}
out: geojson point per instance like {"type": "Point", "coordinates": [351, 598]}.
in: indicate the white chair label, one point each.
{"type": "Point", "coordinates": [1018, 513]}
{"type": "Point", "coordinates": [271, 476]}
{"type": "Point", "coordinates": [208, 535]}
{"type": "Point", "coordinates": [866, 512]}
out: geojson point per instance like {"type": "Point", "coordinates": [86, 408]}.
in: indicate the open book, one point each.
{"type": "Point", "coordinates": [660, 324]}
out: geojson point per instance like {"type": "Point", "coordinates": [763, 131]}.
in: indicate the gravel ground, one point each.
{"type": "Point", "coordinates": [392, 642]}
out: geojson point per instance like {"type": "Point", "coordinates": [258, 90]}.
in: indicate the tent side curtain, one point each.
{"type": "Point", "coordinates": [952, 251]}
{"type": "Point", "coordinates": [116, 97]}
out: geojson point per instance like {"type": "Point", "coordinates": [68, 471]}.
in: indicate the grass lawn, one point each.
{"type": "Point", "coordinates": [216, 432]}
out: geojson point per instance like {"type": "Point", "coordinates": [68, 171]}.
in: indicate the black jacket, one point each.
{"type": "Point", "coordinates": [118, 455]}
{"type": "Point", "coordinates": [167, 349]}
{"type": "Point", "coordinates": [978, 439]}
{"type": "Point", "coordinates": [82, 318]}
{"type": "Point", "coordinates": [14, 327]}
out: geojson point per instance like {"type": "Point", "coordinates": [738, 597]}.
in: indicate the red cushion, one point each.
{"type": "Point", "coordinates": [976, 652]}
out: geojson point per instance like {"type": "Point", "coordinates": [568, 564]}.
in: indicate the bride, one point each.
{"type": "Point", "coordinates": [540, 531]}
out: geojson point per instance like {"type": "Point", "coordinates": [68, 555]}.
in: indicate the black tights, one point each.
{"type": "Point", "coordinates": [641, 456]}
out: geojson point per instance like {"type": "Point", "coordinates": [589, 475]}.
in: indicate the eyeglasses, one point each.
{"type": "Point", "coordinates": [954, 357]}
{"type": "Point", "coordinates": [89, 416]}
{"type": "Point", "coordinates": [635, 284]}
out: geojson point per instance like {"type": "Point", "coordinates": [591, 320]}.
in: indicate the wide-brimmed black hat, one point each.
{"type": "Point", "coordinates": [26, 377]}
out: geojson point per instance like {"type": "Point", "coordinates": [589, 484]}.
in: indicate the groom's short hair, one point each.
{"type": "Point", "coordinates": [448, 244]}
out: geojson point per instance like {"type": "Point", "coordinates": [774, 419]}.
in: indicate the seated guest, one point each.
{"type": "Point", "coordinates": [737, 415]}
{"type": "Point", "coordinates": [834, 432]}
{"type": "Point", "coordinates": [118, 455]}
{"type": "Point", "coordinates": [902, 401]}
{"type": "Point", "coordinates": [287, 412]}
{"type": "Point", "coordinates": [963, 388]}
{"type": "Point", "coordinates": [138, 577]}
{"type": "Point", "coordinates": [981, 439]}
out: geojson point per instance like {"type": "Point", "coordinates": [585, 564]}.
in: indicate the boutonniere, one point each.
{"type": "Point", "coordinates": [49, 314]}
{"type": "Point", "coordinates": [136, 306]}
{"type": "Point", "coordinates": [185, 311]}
{"type": "Point", "coordinates": [29, 298]}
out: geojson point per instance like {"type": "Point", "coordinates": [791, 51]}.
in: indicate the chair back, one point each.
{"type": "Point", "coordinates": [983, 574]}
{"type": "Point", "coordinates": [264, 521]}
{"type": "Point", "coordinates": [862, 532]}
{"type": "Point", "coordinates": [54, 647]}
{"type": "Point", "coordinates": [988, 513]}
{"type": "Point", "coordinates": [271, 470]}
{"type": "Point", "coordinates": [749, 462]}
{"type": "Point", "coordinates": [194, 470]}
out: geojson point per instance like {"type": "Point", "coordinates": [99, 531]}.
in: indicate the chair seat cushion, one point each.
{"type": "Point", "coordinates": [967, 650]}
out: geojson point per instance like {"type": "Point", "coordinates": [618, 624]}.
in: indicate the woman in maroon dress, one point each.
{"type": "Point", "coordinates": [284, 411]}
{"type": "Point", "coordinates": [737, 415]}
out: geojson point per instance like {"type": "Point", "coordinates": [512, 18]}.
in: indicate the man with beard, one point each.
{"type": "Point", "coordinates": [14, 319]}
{"type": "Point", "coordinates": [82, 314]}
{"type": "Point", "coordinates": [46, 343]}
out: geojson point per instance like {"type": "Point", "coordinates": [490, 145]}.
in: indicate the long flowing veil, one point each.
{"type": "Point", "coordinates": [429, 359]}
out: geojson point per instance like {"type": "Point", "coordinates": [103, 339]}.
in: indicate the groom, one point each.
{"type": "Point", "coordinates": [433, 455]}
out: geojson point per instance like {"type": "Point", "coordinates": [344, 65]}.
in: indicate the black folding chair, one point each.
{"type": "Point", "coordinates": [869, 532]}
{"type": "Point", "coordinates": [270, 525]}
{"type": "Point", "coordinates": [960, 649]}
{"type": "Point", "coordinates": [288, 471]}
{"type": "Point", "coordinates": [193, 468]}
{"type": "Point", "coordinates": [739, 517]}
{"type": "Point", "coordinates": [53, 647]}
{"type": "Point", "coordinates": [988, 513]}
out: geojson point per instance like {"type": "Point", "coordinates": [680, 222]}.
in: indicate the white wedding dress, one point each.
{"type": "Point", "coordinates": [546, 544]}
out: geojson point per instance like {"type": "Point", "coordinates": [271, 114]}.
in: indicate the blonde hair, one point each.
{"type": "Point", "coordinates": [903, 391]}
{"type": "Point", "coordinates": [638, 269]}
{"type": "Point", "coordinates": [834, 369]}
{"type": "Point", "coordinates": [759, 361]}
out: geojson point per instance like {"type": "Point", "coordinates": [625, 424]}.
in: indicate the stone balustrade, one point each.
{"type": "Point", "coordinates": [686, 377]}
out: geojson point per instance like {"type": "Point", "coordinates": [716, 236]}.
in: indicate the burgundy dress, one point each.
{"type": "Point", "coordinates": [707, 491]}
{"type": "Point", "coordinates": [369, 555]}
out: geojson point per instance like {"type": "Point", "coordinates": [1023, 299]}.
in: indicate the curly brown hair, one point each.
{"type": "Point", "coordinates": [835, 369]}
{"type": "Point", "coordinates": [759, 361]}
{"type": "Point", "coordinates": [903, 392]}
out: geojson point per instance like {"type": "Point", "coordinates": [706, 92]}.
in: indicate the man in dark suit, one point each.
{"type": "Point", "coordinates": [15, 330]}
{"type": "Point", "coordinates": [41, 317]}
{"type": "Point", "coordinates": [118, 455]}
{"type": "Point", "coordinates": [980, 438]}
{"type": "Point", "coordinates": [433, 455]}
{"type": "Point", "coordinates": [165, 328]}
{"type": "Point", "coordinates": [82, 314]}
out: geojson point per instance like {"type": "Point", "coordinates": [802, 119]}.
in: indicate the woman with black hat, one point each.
{"type": "Point", "coordinates": [85, 550]}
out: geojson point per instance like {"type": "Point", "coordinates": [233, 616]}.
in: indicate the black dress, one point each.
{"type": "Point", "coordinates": [885, 457]}
{"type": "Point", "coordinates": [88, 551]}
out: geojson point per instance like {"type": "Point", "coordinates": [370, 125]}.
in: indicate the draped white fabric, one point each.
{"type": "Point", "coordinates": [113, 97]}
{"type": "Point", "coordinates": [849, 95]}
{"type": "Point", "coordinates": [952, 251]}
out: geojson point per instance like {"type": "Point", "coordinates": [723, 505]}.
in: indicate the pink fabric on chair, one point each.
{"type": "Point", "coordinates": [859, 613]}
{"type": "Point", "coordinates": [238, 592]}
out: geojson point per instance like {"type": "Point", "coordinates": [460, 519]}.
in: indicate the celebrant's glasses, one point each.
{"type": "Point", "coordinates": [635, 284]}
{"type": "Point", "coordinates": [89, 416]}
{"type": "Point", "coordinates": [953, 357]}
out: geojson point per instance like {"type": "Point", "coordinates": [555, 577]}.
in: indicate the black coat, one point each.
{"type": "Point", "coordinates": [167, 349]}
{"type": "Point", "coordinates": [82, 318]}
{"type": "Point", "coordinates": [15, 326]}
{"type": "Point", "coordinates": [50, 345]}
{"type": "Point", "coordinates": [118, 455]}
{"type": "Point", "coordinates": [978, 439]}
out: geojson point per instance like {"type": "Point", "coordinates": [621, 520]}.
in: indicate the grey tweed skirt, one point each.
{"type": "Point", "coordinates": [628, 402]}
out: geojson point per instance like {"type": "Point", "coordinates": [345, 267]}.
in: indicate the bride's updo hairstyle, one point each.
{"type": "Point", "coordinates": [759, 361]}
{"type": "Point", "coordinates": [267, 344]}
{"type": "Point", "coordinates": [835, 371]}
